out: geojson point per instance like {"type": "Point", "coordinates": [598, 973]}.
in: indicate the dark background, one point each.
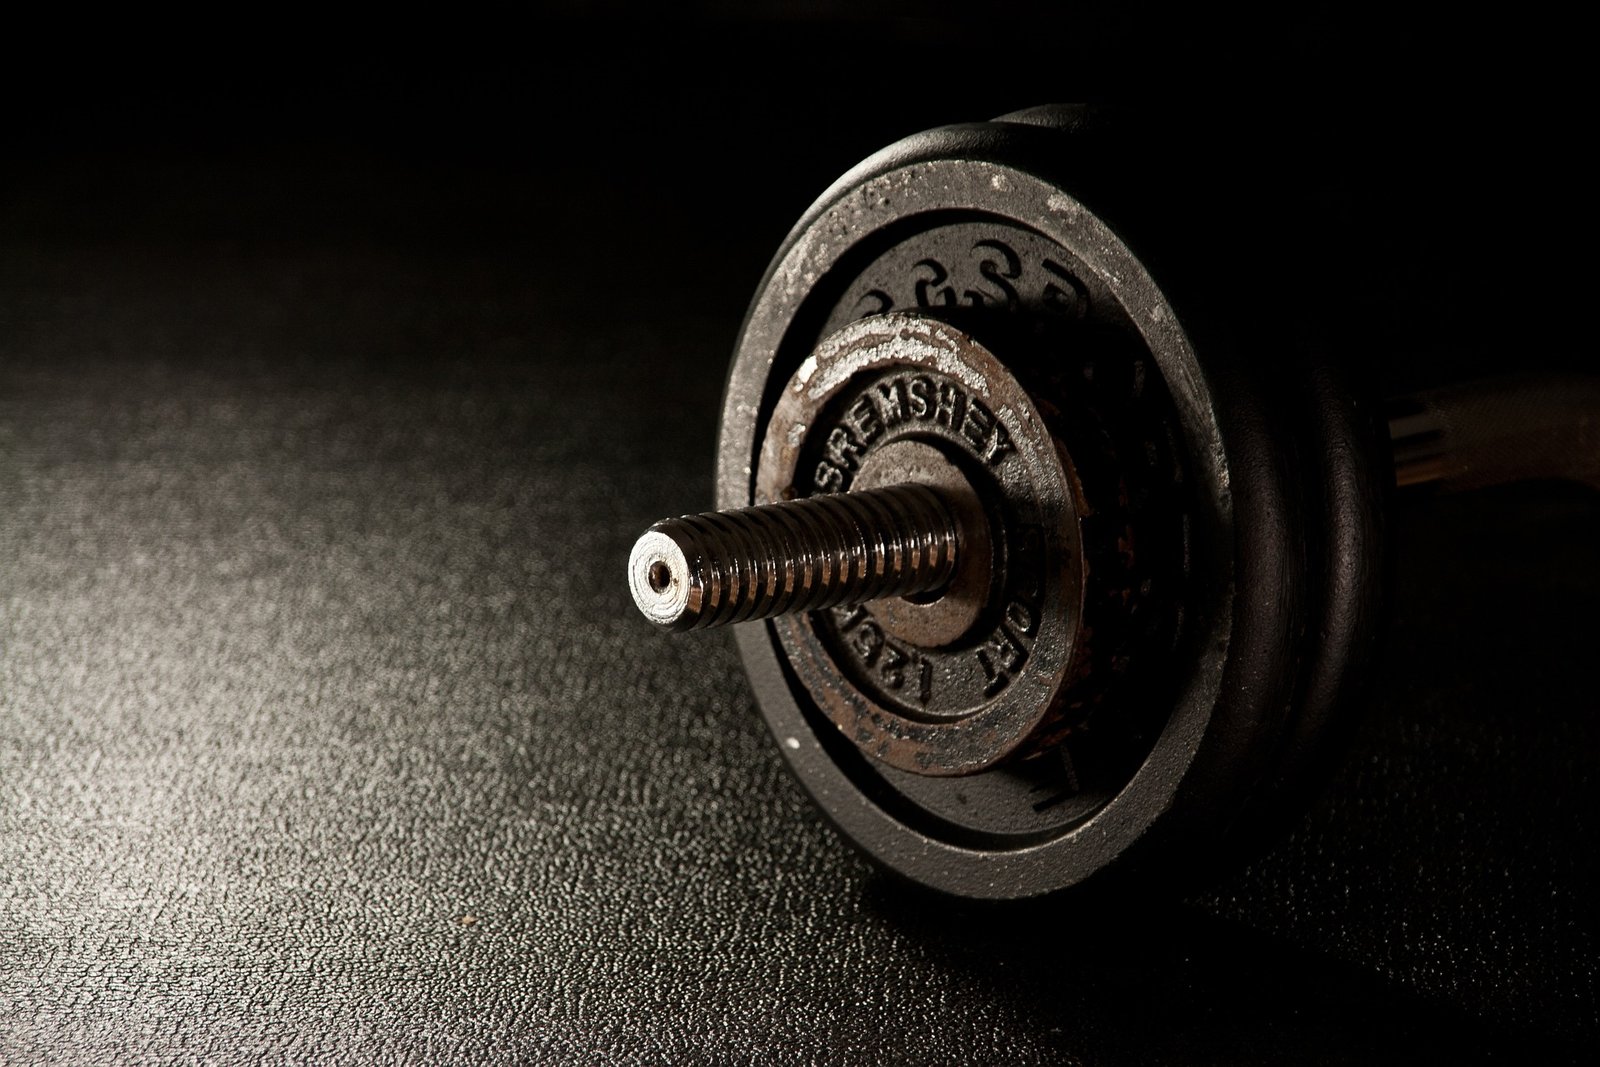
{"type": "Point", "coordinates": [339, 369]}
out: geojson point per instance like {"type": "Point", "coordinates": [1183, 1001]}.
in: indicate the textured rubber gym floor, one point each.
{"type": "Point", "coordinates": [328, 731]}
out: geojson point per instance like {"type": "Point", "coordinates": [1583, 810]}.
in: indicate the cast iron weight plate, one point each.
{"type": "Point", "coordinates": [918, 697]}
{"type": "Point", "coordinates": [979, 223]}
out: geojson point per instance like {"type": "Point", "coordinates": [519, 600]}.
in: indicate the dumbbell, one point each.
{"type": "Point", "coordinates": [1054, 509]}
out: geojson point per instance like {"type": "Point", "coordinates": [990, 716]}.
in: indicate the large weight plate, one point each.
{"type": "Point", "coordinates": [973, 223]}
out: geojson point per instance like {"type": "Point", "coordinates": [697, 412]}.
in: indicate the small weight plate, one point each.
{"type": "Point", "coordinates": [941, 708]}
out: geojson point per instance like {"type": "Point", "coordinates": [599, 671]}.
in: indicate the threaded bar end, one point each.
{"type": "Point", "coordinates": [725, 567]}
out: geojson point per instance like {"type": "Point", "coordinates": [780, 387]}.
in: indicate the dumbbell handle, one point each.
{"type": "Point", "coordinates": [720, 568]}
{"type": "Point", "coordinates": [1499, 431]}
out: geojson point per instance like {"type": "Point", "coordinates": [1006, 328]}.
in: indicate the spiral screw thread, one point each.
{"type": "Point", "coordinates": [724, 567]}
